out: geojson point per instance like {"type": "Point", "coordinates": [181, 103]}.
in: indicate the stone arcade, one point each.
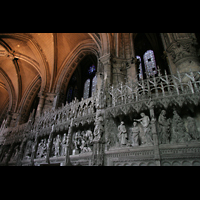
{"type": "Point", "coordinates": [100, 99]}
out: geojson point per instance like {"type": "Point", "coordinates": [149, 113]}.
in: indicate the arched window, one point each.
{"type": "Point", "coordinates": [83, 81]}
{"type": "Point", "coordinates": [69, 94]}
{"type": "Point", "coordinates": [140, 72]}
{"type": "Point", "coordinates": [94, 83]}
{"type": "Point", "coordinates": [90, 83]}
{"type": "Point", "coordinates": [150, 63]}
{"type": "Point", "coordinates": [86, 91]}
{"type": "Point", "coordinates": [149, 53]}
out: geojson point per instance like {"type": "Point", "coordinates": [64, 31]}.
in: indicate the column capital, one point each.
{"type": "Point", "coordinates": [181, 47]}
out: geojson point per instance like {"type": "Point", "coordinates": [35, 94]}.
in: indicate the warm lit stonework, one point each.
{"type": "Point", "coordinates": [100, 99]}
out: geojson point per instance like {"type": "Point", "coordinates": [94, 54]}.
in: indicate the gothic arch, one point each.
{"type": "Point", "coordinates": [28, 98]}
{"type": "Point", "coordinates": [11, 91]}
{"type": "Point", "coordinates": [41, 66]}
{"type": "Point", "coordinates": [71, 62]}
{"type": "Point", "coordinates": [106, 39]}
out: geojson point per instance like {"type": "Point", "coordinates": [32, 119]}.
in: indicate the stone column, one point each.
{"type": "Point", "coordinates": [49, 146]}
{"type": "Point", "coordinates": [34, 149]}
{"type": "Point", "coordinates": [9, 118]}
{"type": "Point", "coordinates": [10, 151]}
{"type": "Point", "coordinates": [14, 119]}
{"type": "Point", "coordinates": [154, 133]}
{"type": "Point", "coordinates": [21, 151]}
{"type": "Point", "coordinates": [40, 105]}
{"type": "Point", "coordinates": [49, 101]}
{"type": "Point", "coordinates": [104, 73]}
{"type": "Point", "coordinates": [182, 52]}
{"type": "Point", "coordinates": [68, 144]}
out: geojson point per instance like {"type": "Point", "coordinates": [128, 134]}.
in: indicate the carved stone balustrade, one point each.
{"type": "Point", "coordinates": [179, 88]}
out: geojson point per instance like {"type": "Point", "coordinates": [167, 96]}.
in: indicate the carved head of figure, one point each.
{"type": "Point", "coordinates": [134, 124]}
{"type": "Point", "coordinates": [122, 123]}
{"type": "Point", "coordinates": [142, 114]}
{"type": "Point", "coordinates": [163, 112]}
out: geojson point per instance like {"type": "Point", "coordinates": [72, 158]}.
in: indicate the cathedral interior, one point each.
{"type": "Point", "coordinates": [100, 99]}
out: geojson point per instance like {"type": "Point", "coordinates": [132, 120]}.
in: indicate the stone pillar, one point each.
{"type": "Point", "coordinates": [154, 133]}
{"type": "Point", "coordinates": [40, 105]}
{"type": "Point", "coordinates": [21, 151]}
{"type": "Point", "coordinates": [49, 146]}
{"type": "Point", "coordinates": [49, 101]}
{"type": "Point", "coordinates": [104, 73]}
{"type": "Point", "coordinates": [68, 144]}
{"type": "Point", "coordinates": [14, 119]}
{"type": "Point", "coordinates": [131, 71]}
{"type": "Point", "coordinates": [34, 149]}
{"type": "Point", "coordinates": [182, 52]}
{"type": "Point", "coordinates": [10, 151]}
{"type": "Point", "coordinates": [9, 118]}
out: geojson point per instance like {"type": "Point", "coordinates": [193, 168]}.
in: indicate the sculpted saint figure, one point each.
{"type": "Point", "coordinates": [192, 128]}
{"type": "Point", "coordinates": [57, 146]}
{"type": "Point", "coordinates": [144, 121]}
{"type": "Point", "coordinates": [122, 133]}
{"type": "Point", "coordinates": [179, 133]}
{"type": "Point", "coordinates": [135, 134]}
{"type": "Point", "coordinates": [163, 130]}
{"type": "Point", "coordinates": [98, 130]}
{"type": "Point", "coordinates": [64, 147]}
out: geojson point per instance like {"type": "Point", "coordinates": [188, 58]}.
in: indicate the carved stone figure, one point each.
{"type": "Point", "coordinates": [77, 140]}
{"type": "Point", "coordinates": [144, 121]}
{"type": "Point", "coordinates": [192, 128]}
{"type": "Point", "coordinates": [122, 134]}
{"type": "Point", "coordinates": [42, 149]}
{"type": "Point", "coordinates": [83, 145]}
{"type": "Point", "coordinates": [135, 134]}
{"type": "Point", "coordinates": [15, 153]}
{"type": "Point", "coordinates": [164, 128]}
{"type": "Point", "coordinates": [53, 147]}
{"type": "Point", "coordinates": [28, 150]}
{"type": "Point", "coordinates": [99, 129]}
{"type": "Point", "coordinates": [64, 143]}
{"type": "Point", "coordinates": [179, 133]}
{"type": "Point", "coordinates": [57, 146]}
{"type": "Point", "coordinates": [89, 135]}
{"type": "Point", "coordinates": [85, 110]}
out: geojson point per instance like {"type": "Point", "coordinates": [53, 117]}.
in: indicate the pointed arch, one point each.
{"type": "Point", "coordinates": [11, 90]}
{"type": "Point", "coordinates": [41, 63]}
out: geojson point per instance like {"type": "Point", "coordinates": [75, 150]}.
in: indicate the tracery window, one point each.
{"type": "Point", "coordinates": [94, 83]}
{"type": "Point", "coordinates": [140, 67]}
{"type": "Point", "coordinates": [149, 53]}
{"type": "Point", "coordinates": [70, 94]}
{"type": "Point", "coordinates": [86, 91]}
{"type": "Point", "coordinates": [150, 63]}
{"type": "Point", "coordinates": [90, 83]}
{"type": "Point", "coordinates": [83, 82]}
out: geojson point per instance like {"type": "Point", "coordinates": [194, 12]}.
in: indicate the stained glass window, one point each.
{"type": "Point", "coordinates": [69, 94]}
{"type": "Point", "coordinates": [140, 68]}
{"type": "Point", "coordinates": [150, 63]}
{"type": "Point", "coordinates": [94, 83]}
{"type": "Point", "coordinates": [92, 69]}
{"type": "Point", "coordinates": [86, 89]}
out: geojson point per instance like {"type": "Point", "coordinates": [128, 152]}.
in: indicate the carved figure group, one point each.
{"type": "Point", "coordinates": [168, 130]}
{"type": "Point", "coordinates": [174, 130]}
{"type": "Point", "coordinates": [82, 142]}
{"type": "Point", "coordinates": [42, 147]}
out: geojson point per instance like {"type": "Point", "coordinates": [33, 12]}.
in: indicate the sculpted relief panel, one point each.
{"type": "Point", "coordinates": [138, 132]}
